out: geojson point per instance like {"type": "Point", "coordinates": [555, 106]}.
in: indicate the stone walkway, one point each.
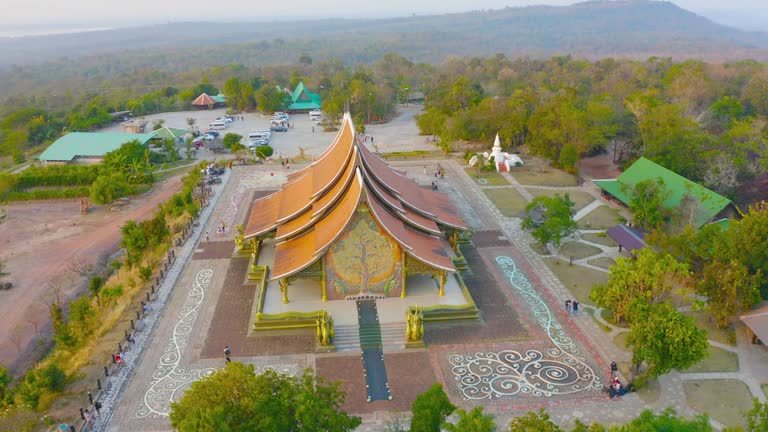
{"type": "Point", "coordinates": [174, 354]}
{"type": "Point", "coordinates": [753, 360]}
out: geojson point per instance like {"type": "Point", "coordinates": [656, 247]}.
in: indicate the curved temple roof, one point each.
{"type": "Point", "coordinates": [314, 207]}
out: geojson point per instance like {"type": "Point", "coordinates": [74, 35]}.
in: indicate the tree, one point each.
{"type": "Point", "coordinates": [270, 99]}
{"type": "Point", "coordinates": [650, 276]}
{"type": "Point", "coordinates": [230, 139]}
{"type": "Point", "coordinates": [664, 338]}
{"type": "Point", "coordinates": [533, 422]}
{"type": "Point", "coordinates": [158, 124]}
{"type": "Point", "coordinates": [757, 417]}
{"type": "Point", "coordinates": [3, 273]}
{"type": "Point", "coordinates": [720, 175]}
{"type": "Point", "coordinates": [667, 420]}
{"type": "Point", "coordinates": [647, 203]}
{"type": "Point", "coordinates": [5, 379]}
{"type": "Point", "coordinates": [191, 122]}
{"type": "Point", "coordinates": [730, 289]}
{"type": "Point", "coordinates": [430, 410]}
{"type": "Point", "coordinates": [94, 286]}
{"type": "Point", "coordinates": [473, 421]}
{"type": "Point", "coordinates": [109, 187]}
{"type": "Point", "coordinates": [569, 157]}
{"type": "Point", "coordinates": [263, 152]}
{"type": "Point", "coordinates": [551, 219]}
{"type": "Point", "coordinates": [235, 398]}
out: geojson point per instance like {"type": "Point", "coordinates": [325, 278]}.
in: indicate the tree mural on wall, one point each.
{"type": "Point", "coordinates": [363, 256]}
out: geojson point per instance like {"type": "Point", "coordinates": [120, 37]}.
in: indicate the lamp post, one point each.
{"type": "Point", "coordinates": [406, 95]}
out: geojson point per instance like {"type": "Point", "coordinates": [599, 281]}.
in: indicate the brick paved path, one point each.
{"type": "Point", "coordinates": [210, 306]}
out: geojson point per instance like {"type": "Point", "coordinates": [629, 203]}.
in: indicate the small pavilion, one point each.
{"type": "Point", "coordinates": [302, 100]}
{"type": "Point", "coordinates": [350, 227]}
{"type": "Point", "coordinates": [205, 101]}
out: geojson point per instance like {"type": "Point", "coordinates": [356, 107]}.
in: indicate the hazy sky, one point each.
{"type": "Point", "coordinates": [110, 13]}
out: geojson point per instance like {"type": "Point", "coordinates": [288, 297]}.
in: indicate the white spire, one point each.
{"type": "Point", "coordinates": [496, 142]}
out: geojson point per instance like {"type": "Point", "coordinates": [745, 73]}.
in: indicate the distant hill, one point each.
{"type": "Point", "coordinates": [629, 28]}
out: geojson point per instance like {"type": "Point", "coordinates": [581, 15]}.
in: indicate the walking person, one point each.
{"type": "Point", "coordinates": [206, 237]}
{"type": "Point", "coordinates": [97, 406]}
{"type": "Point", "coordinates": [568, 307]}
{"type": "Point", "coordinates": [425, 170]}
{"type": "Point", "coordinates": [227, 353]}
{"type": "Point", "coordinates": [575, 308]}
{"type": "Point", "coordinates": [88, 419]}
{"type": "Point", "coordinates": [614, 370]}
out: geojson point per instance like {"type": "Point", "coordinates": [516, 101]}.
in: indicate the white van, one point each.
{"type": "Point", "coordinates": [259, 137]}
{"type": "Point", "coordinates": [218, 125]}
{"type": "Point", "coordinates": [315, 115]}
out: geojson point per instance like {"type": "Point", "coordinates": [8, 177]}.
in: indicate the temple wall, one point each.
{"type": "Point", "coordinates": [364, 260]}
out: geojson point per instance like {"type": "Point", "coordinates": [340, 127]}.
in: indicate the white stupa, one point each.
{"type": "Point", "coordinates": [502, 159]}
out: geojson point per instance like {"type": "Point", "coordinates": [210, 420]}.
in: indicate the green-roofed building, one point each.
{"type": "Point", "coordinates": [712, 207]}
{"type": "Point", "coordinates": [87, 147]}
{"type": "Point", "coordinates": [302, 100]}
{"type": "Point", "coordinates": [219, 98]}
{"type": "Point", "coordinates": [169, 133]}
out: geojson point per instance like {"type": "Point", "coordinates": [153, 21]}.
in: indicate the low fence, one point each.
{"type": "Point", "coordinates": [104, 382]}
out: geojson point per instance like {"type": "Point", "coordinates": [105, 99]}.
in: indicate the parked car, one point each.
{"type": "Point", "coordinates": [212, 133]}
{"type": "Point", "coordinates": [207, 137]}
{"type": "Point", "coordinates": [278, 128]}
{"type": "Point", "coordinates": [199, 142]}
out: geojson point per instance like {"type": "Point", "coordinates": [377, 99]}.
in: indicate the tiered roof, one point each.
{"type": "Point", "coordinates": [204, 100]}
{"type": "Point", "coordinates": [303, 99]}
{"type": "Point", "coordinates": [312, 210]}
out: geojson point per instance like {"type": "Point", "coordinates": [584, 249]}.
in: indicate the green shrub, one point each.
{"type": "Point", "coordinates": [50, 379]}
{"type": "Point", "coordinates": [145, 273]}
{"type": "Point", "coordinates": [109, 187]}
{"type": "Point", "coordinates": [111, 292]}
{"type": "Point", "coordinates": [58, 175]}
{"type": "Point", "coordinates": [43, 194]}
{"type": "Point", "coordinates": [264, 151]}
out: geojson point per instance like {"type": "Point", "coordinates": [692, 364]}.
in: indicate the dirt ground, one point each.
{"type": "Point", "coordinates": [39, 240]}
{"type": "Point", "coordinates": [599, 167]}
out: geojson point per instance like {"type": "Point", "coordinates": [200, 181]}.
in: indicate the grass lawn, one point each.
{"type": "Point", "coordinates": [607, 315]}
{"type": "Point", "coordinates": [621, 340]}
{"type": "Point", "coordinates": [602, 262]}
{"type": "Point", "coordinates": [536, 172]}
{"type": "Point", "coordinates": [579, 199]}
{"type": "Point", "coordinates": [602, 217]}
{"type": "Point", "coordinates": [509, 201]}
{"type": "Point", "coordinates": [578, 250]}
{"type": "Point", "coordinates": [579, 280]}
{"type": "Point", "coordinates": [719, 360]}
{"type": "Point", "coordinates": [724, 336]}
{"type": "Point", "coordinates": [600, 323]}
{"type": "Point", "coordinates": [170, 172]}
{"type": "Point", "coordinates": [487, 178]}
{"type": "Point", "coordinates": [539, 249]}
{"type": "Point", "coordinates": [599, 239]}
{"type": "Point", "coordinates": [723, 400]}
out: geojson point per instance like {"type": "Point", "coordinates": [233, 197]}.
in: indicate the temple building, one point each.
{"type": "Point", "coordinates": [350, 227]}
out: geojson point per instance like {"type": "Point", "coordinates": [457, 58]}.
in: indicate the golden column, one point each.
{"type": "Point", "coordinates": [322, 279]}
{"type": "Point", "coordinates": [284, 289]}
{"type": "Point", "coordinates": [442, 283]}
{"type": "Point", "coordinates": [403, 292]}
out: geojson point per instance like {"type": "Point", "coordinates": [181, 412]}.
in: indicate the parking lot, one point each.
{"type": "Point", "coordinates": [401, 134]}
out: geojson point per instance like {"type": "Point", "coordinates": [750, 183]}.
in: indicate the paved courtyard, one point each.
{"type": "Point", "coordinates": [525, 353]}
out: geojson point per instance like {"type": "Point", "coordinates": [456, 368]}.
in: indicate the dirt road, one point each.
{"type": "Point", "coordinates": [39, 240]}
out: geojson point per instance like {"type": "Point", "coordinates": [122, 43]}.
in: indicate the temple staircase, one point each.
{"type": "Point", "coordinates": [347, 337]}
{"type": "Point", "coordinates": [373, 354]}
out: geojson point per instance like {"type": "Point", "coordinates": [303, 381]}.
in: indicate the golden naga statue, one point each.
{"type": "Point", "coordinates": [239, 236]}
{"type": "Point", "coordinates": [325, 331]}
{"type": "Point", "coordinates": [414, 327]}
